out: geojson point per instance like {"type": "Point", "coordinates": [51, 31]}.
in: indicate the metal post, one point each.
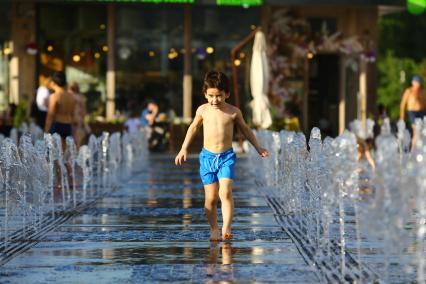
{"type": "Point", "coordinates": [342, 95]}
{"type": "Point", "coordinates": [363, 93]}
{"type": "Point", "coordinates": [305, 101]}
{"type": "Point", "coordinates": [187, 75]}
{"type": "Point", "coordinates": [110, 78]}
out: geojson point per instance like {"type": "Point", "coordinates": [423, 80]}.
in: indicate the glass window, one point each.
{"type": "Point", "coordinates": [216, 31]}
{"type": "Point", "coordinates": [73, 38]}
{"type": "Point", "coordinates": [149, 56]}
{"type": "Point", "coordinates": [150, 51]}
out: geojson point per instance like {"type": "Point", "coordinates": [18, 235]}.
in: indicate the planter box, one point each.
{"type": "Point", "coordinates": [98, 127]}
{"type": "Point", "coordinates": [177, 135]}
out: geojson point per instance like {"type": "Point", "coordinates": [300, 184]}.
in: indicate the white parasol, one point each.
{"type": "Point", "coordinates": [259, 81]}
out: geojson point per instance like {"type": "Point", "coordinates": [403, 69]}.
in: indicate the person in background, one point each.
{"type": "Point", "coordinates": [149, 113]}
{"type": "Point", "coordinates": [133, 123]}
{"type": "Point", "coordinates": [380, 117]}
{"type": "Point", "coordinates": [158, 130]}
{"type": "Point", "coordinates": [42, 101]}
{"type": "Point", "coordinates": [79, 128]}
{"type": "Point", "coordinates": [364, 149]}
{"type": "Point", "coordinates": [60, 114]}
{"type": "Point", "coordinates": [382, 114]}
{"type": "Point", "coordinates": [413, 99]}
{"type": "Point", "coordinates": [291, 119]}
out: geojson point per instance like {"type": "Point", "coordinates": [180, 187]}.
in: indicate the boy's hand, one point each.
{"type": "Point", "coordinates": [263, 152]}
{"type": "Point", "coordinates": [181, 157]}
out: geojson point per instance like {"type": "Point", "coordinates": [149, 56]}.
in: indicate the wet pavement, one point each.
{"type": "Point", "coordinates": [153, 229]}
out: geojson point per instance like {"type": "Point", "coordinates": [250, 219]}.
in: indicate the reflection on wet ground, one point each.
{"type": "Point", "coordinates": [153, 230]}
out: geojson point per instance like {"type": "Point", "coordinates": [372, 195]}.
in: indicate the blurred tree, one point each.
{"type": "Point", "coordinates": [404, 34]}
{"type": "Point", "coordinates": [20, 114]}
{"type": "Point", "coordinates": [394, 76]}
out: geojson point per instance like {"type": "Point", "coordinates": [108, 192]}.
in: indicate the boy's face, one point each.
{"type": "Point", "coordinates": [415, 84]}
{"type": "Point", "coordinates": [215, 97]}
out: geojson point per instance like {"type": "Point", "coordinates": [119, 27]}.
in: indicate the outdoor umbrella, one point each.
{"type": "Point", "coordinates": [259, 80]}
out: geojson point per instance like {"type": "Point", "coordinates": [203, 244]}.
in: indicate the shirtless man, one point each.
{"type": "Point", "coordinates": [60, 113]}
{"type": "Point", "coordinates": [217, 158]}
{"type": "Point", "coordinates": [413, 99]}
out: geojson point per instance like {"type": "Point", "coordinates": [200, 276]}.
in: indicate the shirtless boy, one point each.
{"type": "Point", "coordinates": [60, 113]}
{"type": "Point", "coordinates": [413, 99]}
{"type": "Point", "coordinates": [217, 158]}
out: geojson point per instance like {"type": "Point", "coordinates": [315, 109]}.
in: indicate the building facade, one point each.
{"type": "Point", "coordinates": [322, 53]}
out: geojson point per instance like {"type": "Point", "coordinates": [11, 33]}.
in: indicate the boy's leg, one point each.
{"type": "Point", "coordinates": [225, 194]}
{"type": "Point", "coordinates": [210, 207]}
{"type": "Point", "coordinates": [413, 139]}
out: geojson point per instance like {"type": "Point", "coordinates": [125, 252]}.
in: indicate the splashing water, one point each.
{"type": "Point", "coordinates": [35, 177]}
{"type": "Point", "coordinates": [333, 205]}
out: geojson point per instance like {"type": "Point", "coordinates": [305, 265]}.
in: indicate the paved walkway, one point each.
{"type": "Point", "coordinates": [153, 229]}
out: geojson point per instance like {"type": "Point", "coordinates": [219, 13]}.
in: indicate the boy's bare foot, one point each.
{"type": "Point", "coordinates": [227, 236]}
{"type": "Point", "coordinates": [214, 235]}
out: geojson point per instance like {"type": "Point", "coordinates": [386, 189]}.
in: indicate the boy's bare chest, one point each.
{"type": "Point", "coordinates": [415, 97]}
{"type": "Point", "coordinates": [218, 118]}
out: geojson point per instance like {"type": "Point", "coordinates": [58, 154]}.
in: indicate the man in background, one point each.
{"type": "Point", "coordinates": [413, 100]}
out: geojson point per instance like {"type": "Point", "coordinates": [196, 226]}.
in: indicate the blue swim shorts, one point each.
{"type": "Point", "coordinates": [63, 129]}
{"type": "Point", "coordinates": [413, 115]}
{"type": "Point", "coordinates": [214, 166]}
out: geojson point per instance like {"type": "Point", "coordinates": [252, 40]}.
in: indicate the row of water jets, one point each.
{"type": "Point", "coordinates": [39, 181]}
{"type": "Point", "coordinates": [377, 215]}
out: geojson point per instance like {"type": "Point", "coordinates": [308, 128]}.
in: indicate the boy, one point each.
{"type": "Point", "coordinates": [217, 158]}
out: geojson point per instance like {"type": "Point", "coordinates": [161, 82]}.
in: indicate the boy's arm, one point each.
{"type": "Point", "coordinates": [50, 113]}
{"type": "Point", "coordinates": [192, 130]}
{"type": "Point", "coordinates": [248, 133]}
{"type": "Point", "coordinates": [402, 105]}
{"type": "Point", "coordinates": [370, 159]}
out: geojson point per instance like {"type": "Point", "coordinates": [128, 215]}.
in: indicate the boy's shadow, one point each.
{"type": "Point", "coordinates": [219, 260]}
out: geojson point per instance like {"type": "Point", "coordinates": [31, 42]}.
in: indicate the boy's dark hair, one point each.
{"type": "Point", "coordinates": [59, 79]}
{"type": "Point", "coordinates": [216, 79]}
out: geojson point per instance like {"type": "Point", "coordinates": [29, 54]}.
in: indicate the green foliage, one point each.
{"type": "Point", "coordinates": [20, 114]}
{"type": "Point", "coordinates": [401, 49]}
{"type": "Point", "coordinates": [404, 34]}
{"type": "Point", "coordinates": [391, 70]}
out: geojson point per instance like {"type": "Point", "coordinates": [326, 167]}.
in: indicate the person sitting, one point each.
{"type": "Point", "coordinates": [149, 113]}
{"type": "Point", "coordinates": [133, 124]}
